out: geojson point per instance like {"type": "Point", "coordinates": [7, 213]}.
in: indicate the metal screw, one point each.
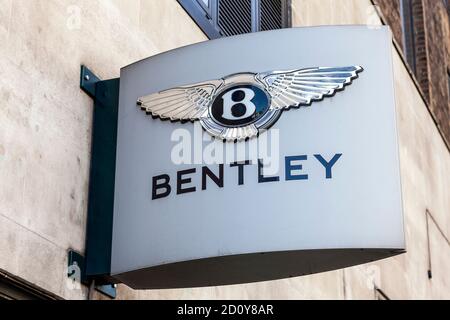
{"type": "Point", "coordinates": [87, 78]}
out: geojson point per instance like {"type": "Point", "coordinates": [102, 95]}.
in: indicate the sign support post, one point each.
{"type": "Point", "coordinates": [97, 263]}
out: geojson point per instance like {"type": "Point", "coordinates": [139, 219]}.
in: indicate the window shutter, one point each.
{"type": "Point", "coordinates": [219, 18]}
{"type": "Point", "coordinates": [235, 17]}
{"type": "Point", "coordinates": [271, 14]}
{"type": "Point", "coordinates": [408, 33]}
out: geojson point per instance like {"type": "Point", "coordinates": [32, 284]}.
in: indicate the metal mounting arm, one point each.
{"type": "Point", "coordinates": [96, 265]}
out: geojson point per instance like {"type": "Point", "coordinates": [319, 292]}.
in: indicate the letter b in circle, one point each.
{"type": "Point", "coordinates": [238, 105]}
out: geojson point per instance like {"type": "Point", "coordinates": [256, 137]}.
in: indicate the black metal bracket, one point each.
{"type": "Point", "coordinates": [76, 267]}
{"type": "Point", "coordinates": [96, 265]}
{"type": "Point", "coordinates": [88, 81]}
{"type": "Point", "coordinates": [76, 270]}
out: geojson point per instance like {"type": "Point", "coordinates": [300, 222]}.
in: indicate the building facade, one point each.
{"type": "Point", "coordinates": [46, 129]}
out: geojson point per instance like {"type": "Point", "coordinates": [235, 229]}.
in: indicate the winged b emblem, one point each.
{"type": "Point", "coordinates": [236, 107]}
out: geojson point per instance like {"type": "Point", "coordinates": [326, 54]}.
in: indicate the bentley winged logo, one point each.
{"type": "Point", "coordinates": [236, 107]}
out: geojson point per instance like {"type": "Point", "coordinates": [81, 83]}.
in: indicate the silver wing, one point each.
{"type": "Point", "coordinates": [182, 103]}
{"type": "Point", "coordinates": [301, 87]}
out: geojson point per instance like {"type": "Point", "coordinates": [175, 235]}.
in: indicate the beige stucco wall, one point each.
{"type": "Point", "coordinates": [45, 130]}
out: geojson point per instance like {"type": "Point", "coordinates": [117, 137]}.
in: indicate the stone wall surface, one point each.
{"type": "Point", "coordinates": [45, 132]}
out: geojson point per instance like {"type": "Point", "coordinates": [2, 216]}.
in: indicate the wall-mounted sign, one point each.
{"type": "Point", "coordinates": [233, 186]}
